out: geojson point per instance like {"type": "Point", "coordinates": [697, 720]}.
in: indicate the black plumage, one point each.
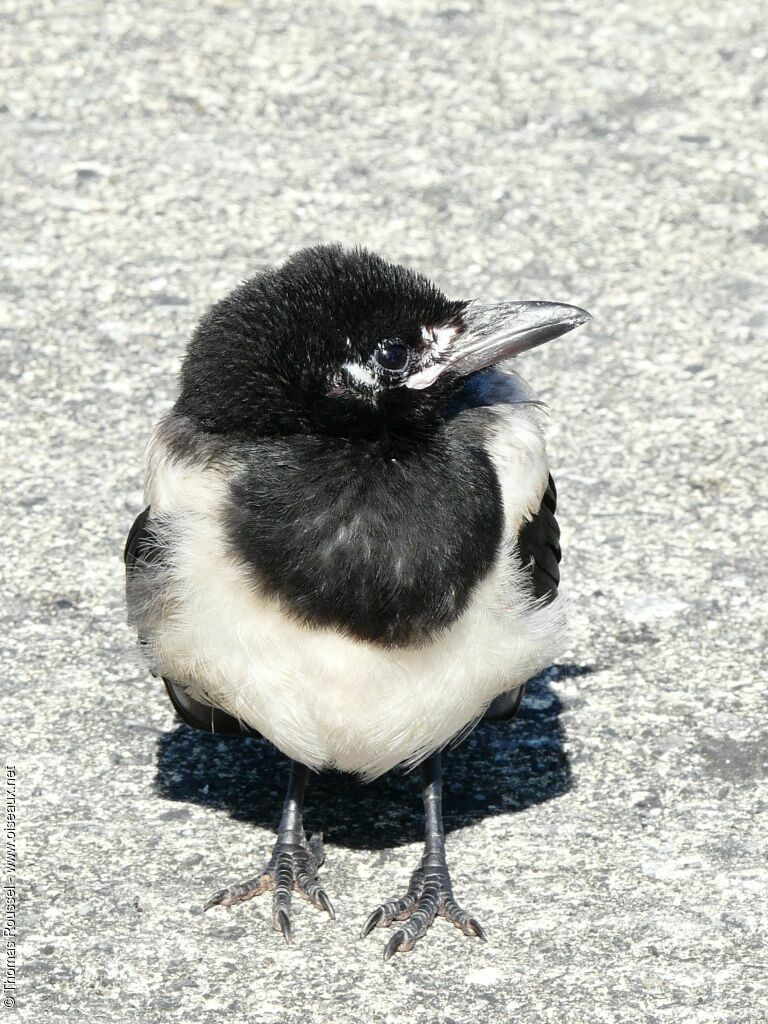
{"type": "Point", "coordinates": [539, 546]}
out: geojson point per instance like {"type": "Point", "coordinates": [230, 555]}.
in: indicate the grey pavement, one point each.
{"type": "Point", "coordinates": [609, 155]}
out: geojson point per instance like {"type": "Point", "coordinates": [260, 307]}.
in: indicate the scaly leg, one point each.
{"type": "Point", "coordinates": [293, 865]}
{"type": "Point", "coordinates": [430, 891]}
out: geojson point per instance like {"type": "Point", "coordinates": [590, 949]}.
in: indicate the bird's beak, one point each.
{"type": "Point", "coordinates": [488, 334]}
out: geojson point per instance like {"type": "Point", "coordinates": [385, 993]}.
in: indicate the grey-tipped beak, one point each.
{"type": "Point", "coordinates": [496, 332]}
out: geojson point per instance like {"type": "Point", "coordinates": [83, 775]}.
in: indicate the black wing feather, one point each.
{"type": "Point", "coordinates": [539, 545]}
{"type": "Point", "coordinates": [140, 544]}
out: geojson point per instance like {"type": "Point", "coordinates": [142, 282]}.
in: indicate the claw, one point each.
{"type": "Point", "coordinates": [326, 904]}
{"type": "Point", "coordinates": [394, 944]}
{"type": "Point", "coordinates": [283, 922]}
{"type": "Point", "coordinates": [478, 929]}
{"type": "Point", "coordinates": [373, 921]}
{"type": "Point", "coordinates": [216, 900]}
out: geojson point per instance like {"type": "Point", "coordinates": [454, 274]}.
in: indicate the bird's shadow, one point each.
{"type": "Point", "coordinates": [500, 767]}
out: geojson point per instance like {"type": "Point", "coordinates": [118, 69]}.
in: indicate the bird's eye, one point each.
{"type": "Point", "coordinates": [392, 356]}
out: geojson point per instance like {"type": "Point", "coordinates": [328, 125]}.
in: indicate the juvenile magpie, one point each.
{"type": "Point", "coordinates": [350, 545]}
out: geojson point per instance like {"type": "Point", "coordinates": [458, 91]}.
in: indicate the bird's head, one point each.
{"type": "Point", "coordinates": [342, 342]}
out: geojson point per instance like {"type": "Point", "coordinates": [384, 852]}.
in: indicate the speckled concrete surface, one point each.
{"type": "Point", "coordinates": [611, 155]}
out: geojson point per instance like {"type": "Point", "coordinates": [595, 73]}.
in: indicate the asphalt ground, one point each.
{"type": "Point", "coordinates": [609, 155]}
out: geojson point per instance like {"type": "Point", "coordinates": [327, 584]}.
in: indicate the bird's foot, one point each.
{"type": "Point", "coordinates": [430, 893]}
{"type": "Point", "coordinates": [291, 866]}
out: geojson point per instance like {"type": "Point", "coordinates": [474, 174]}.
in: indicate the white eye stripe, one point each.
{"type": "Point", "coordinates": [360, 373]}
{"type": "Point", "coordinates": [438, 339]}
{"type": "Point", "coordinates": [443, 338]}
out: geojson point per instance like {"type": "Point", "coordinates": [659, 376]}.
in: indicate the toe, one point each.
{"type": "Point", "coordinates": [421, 919]}
{"type": "Point", "coordinates": [315, 893]}
{"type": "Point", "coordinates": [235, 893]}
{"type": "Point", "coordinates": [394, 910]}
{"type": "Point", "coordinates": [217, 899]}
{"type": "Point", "coordinates": [399, 909]}
{"type": "Point", "coordinates": [452, 912]}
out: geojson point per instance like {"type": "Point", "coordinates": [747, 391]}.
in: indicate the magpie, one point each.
{"type": "Point", "coordinates": [350, 545]}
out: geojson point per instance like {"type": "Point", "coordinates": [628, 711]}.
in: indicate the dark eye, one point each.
{"type": "Point", "coordinates": [392, 355]}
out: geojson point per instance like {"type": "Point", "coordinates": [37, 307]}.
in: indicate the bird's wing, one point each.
{"type": "Point", "coordinates": [140, 545]}
{"type": "Point", "coordinates": [204, 716]}
{"type": "Point", "coordinates": [142, 548]}
{"type": "Point", "coordinates": [539, 539]}
{"type": "Point", "coordinates": [539, 547]}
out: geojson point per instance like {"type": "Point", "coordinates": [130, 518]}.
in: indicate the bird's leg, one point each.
{"type": "Point", "coordinates": [430, 891]}
{"type": "Point", "coordinates": [293, 865]}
